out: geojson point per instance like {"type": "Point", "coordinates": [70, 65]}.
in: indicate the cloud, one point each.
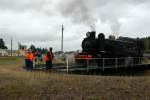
{"type": "Point", "coordinates": [40, 20]}
{"type": "Point", "coordinates": [79, 12]}
{"type": "Point", "coordinates": [90, 11]}
{"type": "Point", "coordinates": [21, 5]}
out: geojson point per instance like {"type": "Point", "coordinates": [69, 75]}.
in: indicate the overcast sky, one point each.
{"type": "Point", "coordinates": [39, 21]}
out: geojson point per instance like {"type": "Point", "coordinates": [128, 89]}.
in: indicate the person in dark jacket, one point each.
{"type": "Point", "coordinates": [48, 59]}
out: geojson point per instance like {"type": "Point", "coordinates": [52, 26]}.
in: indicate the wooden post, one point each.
{"type": "Point", "coordinates": [18, 48]}
{"type": "Point", "coordinates": [62, 40]}
{"type": "Point", "coordinates": [11, 46]}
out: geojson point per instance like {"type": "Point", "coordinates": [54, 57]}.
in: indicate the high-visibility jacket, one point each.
{"type": "Point", "coordinates": [27, 56]}
{"type": "Point", "coordinates": [49, 56]}
{"type": "Point", "coordinates": [31, 56]}
{"type": "Point", "coordinates": [46, 58]}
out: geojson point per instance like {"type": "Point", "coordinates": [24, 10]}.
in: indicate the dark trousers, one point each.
{"type": "Point", "coordinates": [49, 64]}
{"type": "Point", "coordinates": [28, 64]}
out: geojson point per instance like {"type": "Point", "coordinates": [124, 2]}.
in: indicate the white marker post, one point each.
{"type": "Point", "coordinates": [67, 64]}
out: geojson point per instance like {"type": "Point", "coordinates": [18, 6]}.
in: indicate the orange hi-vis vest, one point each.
{"type": "Point", "coordinates": [27, 56]}
{"type": "Point", "coordinates": [31, 57]}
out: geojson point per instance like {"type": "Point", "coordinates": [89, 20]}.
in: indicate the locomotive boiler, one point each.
{"type": "Point", "coordinates": [96, 48]}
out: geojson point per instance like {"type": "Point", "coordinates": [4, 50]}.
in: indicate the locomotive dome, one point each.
{"type": "Point", "coordinates": [101, 36]}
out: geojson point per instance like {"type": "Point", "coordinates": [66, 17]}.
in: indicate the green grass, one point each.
{"type": "Point", "coordinates": [10, 60]}
{"type": "Point", "coordinates": [18, 84]}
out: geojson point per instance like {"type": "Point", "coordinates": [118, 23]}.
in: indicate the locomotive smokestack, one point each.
{"type": "Point", "coordinates": [93, 34]}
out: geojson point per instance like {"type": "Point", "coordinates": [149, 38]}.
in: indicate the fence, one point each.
{"type": "Point", "coordinates": [68, 63]}
{"type": "Point", "coordinates": [104, 63]}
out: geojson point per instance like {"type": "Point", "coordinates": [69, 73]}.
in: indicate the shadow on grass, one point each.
{"type": "Point", "coordinates": [137, 71]}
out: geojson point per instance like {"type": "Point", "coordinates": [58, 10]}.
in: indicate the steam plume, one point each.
{"type": "Point", "coordinates": [82, 11]}
{"type": "Point", "coordinates": [79, 11]}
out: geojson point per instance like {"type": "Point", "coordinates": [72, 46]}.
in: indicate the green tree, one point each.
{"type": "Point", "coordinates": [146, 42]}
{"type": "Point", "coordinates": [2, 44]}
{"type": "Point", "coordinates": [32, 47]}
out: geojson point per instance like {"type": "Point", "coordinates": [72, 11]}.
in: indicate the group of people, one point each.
{"type": "Point", "coordinates": [30, 58]}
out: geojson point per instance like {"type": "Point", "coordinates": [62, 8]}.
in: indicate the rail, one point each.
{"type": "Point", "coordinates": [103, 63]}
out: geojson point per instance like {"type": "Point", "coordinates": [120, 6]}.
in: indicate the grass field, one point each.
{"type": "Point", "coordinates": [18, 84]}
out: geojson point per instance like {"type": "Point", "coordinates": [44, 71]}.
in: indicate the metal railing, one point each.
{"type": "Point", "coordinates": [103, 63]}
{"type": "Point", "coordinates": [69, 63]}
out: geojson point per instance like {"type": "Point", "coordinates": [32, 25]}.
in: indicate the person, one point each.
{"type": "Point", "coordinates": [30, 59]}
{"type": "Point", "coordinates": [39, 55]}
{"type": "Point", "coordinates": [48, 59]}
{"type": "Point", "coordinates": [36, 56]}
{"type": "Point", "coordinates": [27, 59]}
{"type": "Point", "coordinates": [51, 56]}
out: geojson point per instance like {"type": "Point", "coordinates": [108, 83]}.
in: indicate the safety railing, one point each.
{"type": "Point", "coordinates": [103, 63]}
{"type": "Point", "coordinates": [69, 63]}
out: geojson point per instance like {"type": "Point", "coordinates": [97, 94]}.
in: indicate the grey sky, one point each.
{"type": "Point", "coordinates": [39, 21]}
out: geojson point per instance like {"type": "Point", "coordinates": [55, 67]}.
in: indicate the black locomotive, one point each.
{"type": "Point", "coordinates": [100, 47]}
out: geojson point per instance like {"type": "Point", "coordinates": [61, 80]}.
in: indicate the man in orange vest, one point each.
{"type": "Point", "coordinates": [48, 59]}
{"type": "Point", "coordinates": [29, 60]}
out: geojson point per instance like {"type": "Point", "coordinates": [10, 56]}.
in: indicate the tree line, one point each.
{"type": "Point", "coordinates": [146, 42]}
{"type": "Point", "coordinates": [33, 49]}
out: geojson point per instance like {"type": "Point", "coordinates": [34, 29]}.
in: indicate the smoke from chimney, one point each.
{"type": "Point", "coordinates": [88, 12]}
{"type": "Point", "coordinates": [79, 12]}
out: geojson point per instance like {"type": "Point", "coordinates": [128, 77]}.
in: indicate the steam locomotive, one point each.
{"type": "Point", "coordinates": [95, 48]}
